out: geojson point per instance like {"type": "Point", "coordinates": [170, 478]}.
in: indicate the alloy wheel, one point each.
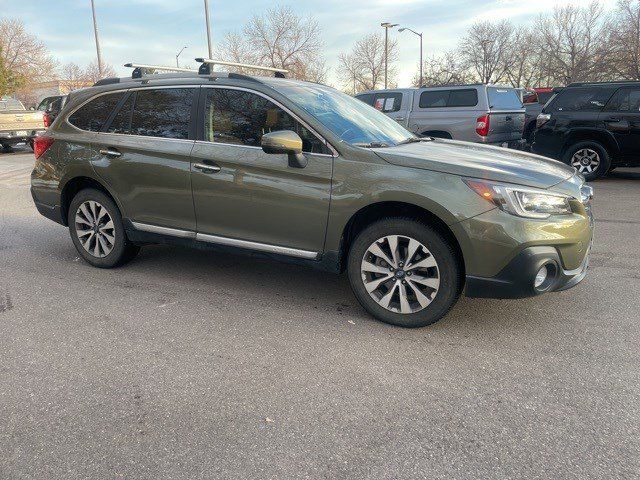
{"type": "Point", "coordinates": [95, 229]}
{"type": "Point", "coordinates": [400, 274]}
{"type": "Point", "coordinates": [586, 160]}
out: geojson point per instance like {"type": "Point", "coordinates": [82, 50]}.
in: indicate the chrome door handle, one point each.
{"type": "Point", "coordinates": [110, 152]}
{"type": "Point", "coordinates": [206, 168]}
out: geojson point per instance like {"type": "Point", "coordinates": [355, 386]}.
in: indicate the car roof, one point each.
{"type": "Point", "coordinates": [622, 83]}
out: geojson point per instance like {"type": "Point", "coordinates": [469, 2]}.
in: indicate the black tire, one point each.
{"type": "Point", "coordinates": [604, 159]}
{"type": "Point", "coordinates": [449, 267]}
{"type": "Point", "coordinates": [122, 251]}
{"type": "Point", "coordinates": [6, 148]}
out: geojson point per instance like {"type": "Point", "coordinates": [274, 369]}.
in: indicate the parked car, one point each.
{"type": "Point", "coordinates": [17, 124]}
{"type": "Point", "coordinates": [481, 113]}
{"type": "Point", "coordinates": [534, 102]}
{"type": "Point", "coordinates": [302, 172]}
{"type": "Point", "coordinates": [51, 106]}
{"type": "Point", "coordinates": [593, 127]}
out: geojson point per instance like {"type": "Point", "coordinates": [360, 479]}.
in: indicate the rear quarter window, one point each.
{"type": "Point", "coordinates": [504, 99]}
{"type": "Point", "coordinates": [93, 115]}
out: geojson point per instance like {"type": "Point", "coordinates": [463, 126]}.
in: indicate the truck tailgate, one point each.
{"type": "Point", "coordinates": [507, 125]}
{"type": "Point", "coordinates": [12, 121]}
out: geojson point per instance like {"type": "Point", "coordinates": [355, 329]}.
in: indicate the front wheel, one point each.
{"type": "Point", "coordinates": [97, 231]}
{"type": "Point", "coordinates": [404, 273]}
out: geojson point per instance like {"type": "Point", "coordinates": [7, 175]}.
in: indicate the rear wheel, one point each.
{"type": "Point", "coordinates": [404, 273]}
{"type": "Point", "coordinates": [96, 228]}
{"type": "Point", "coordinates": [589, 158]}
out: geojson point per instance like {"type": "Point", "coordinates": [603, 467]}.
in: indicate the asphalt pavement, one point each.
{"type": "Point", "coordinates": [192, 364]}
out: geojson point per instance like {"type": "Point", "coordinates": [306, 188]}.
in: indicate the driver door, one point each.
{"type": "Point", "coordinates": [242, 194]}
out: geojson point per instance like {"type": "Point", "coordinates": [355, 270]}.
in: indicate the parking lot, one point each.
{"type": "Point", "coordinates": [190, 364]}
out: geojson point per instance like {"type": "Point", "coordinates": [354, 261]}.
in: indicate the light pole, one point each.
{"type": "Point", "coordinates": [206, 14]}
{"type": "Point", "coordinates": [95, 32]}
{"type": "Point", "coordinates": [178, 55]}
{"type": "Point", "coordinates": [386, 26]}
{"type": "Point", "coordinates": [421, 61]}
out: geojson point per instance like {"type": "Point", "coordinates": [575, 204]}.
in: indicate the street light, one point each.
{"type": "Point", "coordinates": [386, 26]}
{"type": "Point", "coordinates": [178, 55]}
{"type": "Point", "coordinates": [421, 61]}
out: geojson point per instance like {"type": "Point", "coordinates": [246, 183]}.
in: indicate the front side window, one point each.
{"type": "Point", "coordinates": [93, 115]}
{"type": "Point", "coordinates": [239, 117]}
{"type": "Point", "coordinates": [625, 100]}
{"type": "Point", "coordinates": [164, 113]}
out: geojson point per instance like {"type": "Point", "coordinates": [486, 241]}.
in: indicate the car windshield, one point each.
{"type": "Point", "coordinates": [352, 120]}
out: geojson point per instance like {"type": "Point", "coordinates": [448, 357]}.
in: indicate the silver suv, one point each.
{"type": "Point", "coordinates": [480, 113]}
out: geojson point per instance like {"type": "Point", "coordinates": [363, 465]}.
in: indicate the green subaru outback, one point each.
{"type": "Point", "coordinates": [304, 173]}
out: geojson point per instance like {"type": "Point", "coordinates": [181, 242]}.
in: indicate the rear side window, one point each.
{"type": "Point", "coordinates": [388, 102]}
{"type": "Point", "coordinates": [581, 100]}
{"type": "Point", "coordinates": [467, 97]}
{"type": "Point", "coordinates": [625, 100]}
{"type": "Point", "coordinates": [93, 115]}
{"type": "Point", "coordinates": [238, 117]}
{"type": "Point", "coordinates": [164, 113]}
{"type": "Point", "coordinates": [503, 99]}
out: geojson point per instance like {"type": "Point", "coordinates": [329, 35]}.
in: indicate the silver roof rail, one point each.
{"type": "Point", "coordinates": [207, 63]}
{"type": "Point", "coordinates": [140, 69]}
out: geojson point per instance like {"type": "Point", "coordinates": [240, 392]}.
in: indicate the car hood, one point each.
{"type": "Point", "coordinates": [479, 161]}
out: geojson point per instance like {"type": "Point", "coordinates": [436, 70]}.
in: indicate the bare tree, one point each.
{"type": "Point", "coordinates": [443, 70]}
{"type": "Point", "coordinates": [10, 81]}
{"type": "Point", "coordinates": [279, 38]}
{"type": "Point", "coordinates": [23, 54]}
{"type": "Point", "coordinates": [363, 67]}
{"type": "Point", "coordinates": [73, 76]}
{"type": "Point", "coordinates": [575, 41]}
{"type": "Point", "coordinates": [523, 59]}
{"type": "Point", "coordinates": [625, 40]}
{"type": "Point", "coordinates": [484, 50]}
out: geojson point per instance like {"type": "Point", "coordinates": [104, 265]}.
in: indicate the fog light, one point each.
{"type": "Point", "coordinates": [541, 277]}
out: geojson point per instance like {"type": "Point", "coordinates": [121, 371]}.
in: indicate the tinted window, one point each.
{"type": "Point", "coordinates": [94, 114]}
{"type": "Point", "coordinates": [121, 123]}
{"type": "Point", "coordinates": [366, 98]}
{"type": "Point", "coordinates": [387, 102]}
{"type": "Point", "coordinates": [625, 100]}
{"type": "Point", "coordinates": [544, 97]}
{"type": "Point", "coordinates": [434, 99]}
{"type": "Point", "coordinates": [164, 113]}
{"type": "Point", "coordinates": [503, 99]}
{"type": "Point", "coordinates": [581, 99]}
{"type": "Point", "coordinates": [241, 118]}
{"type": "Point", "coordinates": [463, 98]}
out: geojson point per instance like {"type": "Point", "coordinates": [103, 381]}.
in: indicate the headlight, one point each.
{"type": "Point", "coordinates": [522, 201]}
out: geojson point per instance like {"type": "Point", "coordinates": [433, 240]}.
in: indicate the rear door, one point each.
{"type": "Point", "coordinates": [246, 197]}
{"type": "Point", "coordinates": [507, 115]}
{"type": "Point", "coordinates": [621, 117]}
{"type": "Point", "coordinates": [142, 153]}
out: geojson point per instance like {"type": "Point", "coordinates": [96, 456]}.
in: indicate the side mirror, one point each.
{"type": "Point", "coordinates": [285, 142]}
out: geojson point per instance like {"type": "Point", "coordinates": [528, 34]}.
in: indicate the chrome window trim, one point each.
{"type": "Point", "coordinates": [283, 107]}
{"type": "Point", "coordinates": [124, 90]}
{"type": "Point", "coordinates": [233, 242]}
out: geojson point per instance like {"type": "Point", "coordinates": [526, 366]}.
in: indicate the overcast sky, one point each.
{"type": "Point", "coordinates": [152, 31]}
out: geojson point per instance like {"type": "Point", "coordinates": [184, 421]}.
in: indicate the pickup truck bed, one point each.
{"type": "Point", "coordinates": [17, 124]}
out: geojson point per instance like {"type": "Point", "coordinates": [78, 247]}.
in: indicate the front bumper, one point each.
{"type": "Point", "coordinates": [516, 280]}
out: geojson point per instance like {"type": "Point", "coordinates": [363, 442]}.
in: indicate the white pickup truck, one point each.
{"type": "Point", "coordinates": [17, 124]}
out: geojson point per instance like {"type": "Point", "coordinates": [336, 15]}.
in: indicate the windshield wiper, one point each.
{"type": "Point", "coordinates": [371, 145]}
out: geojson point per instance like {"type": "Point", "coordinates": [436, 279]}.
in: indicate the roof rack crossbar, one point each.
{"type": "Point", "coordinates": [140, 69]}
{"type": "Point", "coordinates": [207, 63]}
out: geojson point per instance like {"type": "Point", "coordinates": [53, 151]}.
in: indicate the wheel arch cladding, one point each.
{"type": "Point", "coordinates": [578, 136]}
{"type": "Point", "coordinates": [75, 185]}
{"type": "Point", "coordinates": [394, 209]}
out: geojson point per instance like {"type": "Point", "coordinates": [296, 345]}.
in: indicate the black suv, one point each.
{"type": "Point", "coordinates": [594, 127]}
